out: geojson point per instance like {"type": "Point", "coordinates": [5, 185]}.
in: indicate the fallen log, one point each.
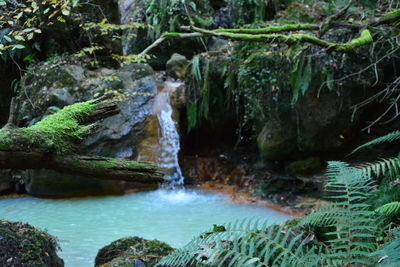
{"type": "Point", "coordinates": [53, 143]}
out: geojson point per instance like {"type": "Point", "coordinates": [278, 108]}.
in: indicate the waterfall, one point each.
{"type": "Point", "coordinates": [160, 143]}
{"type": "Point", "coordinates": [169, 143]}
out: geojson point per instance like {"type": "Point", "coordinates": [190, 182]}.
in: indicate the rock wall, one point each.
{"type": "Point", "coordinates": [66, 81]}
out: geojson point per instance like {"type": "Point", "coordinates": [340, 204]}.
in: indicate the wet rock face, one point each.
{"type": "Point", "coordinates": [177, 66]}
{"type": "Point", "coordinates": [298, 110]}
{"type": "Point", "coordinates": [24, 245]}
{"type": "Point", "coordinates": [5, 181]}
{"type": "Point", "coordinates": [47, 183]}
{"type": "Point", "coordinates": [132, 251]}
{"type": "Point", "coordinates": [55, 85]}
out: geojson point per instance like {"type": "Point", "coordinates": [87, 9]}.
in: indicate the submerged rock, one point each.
{"type": "Point", "coordinates": [132, 251]}
{"type": "Point", "coordinates": [25, 246]}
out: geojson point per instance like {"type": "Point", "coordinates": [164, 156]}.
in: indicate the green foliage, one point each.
{"type": "Point", "coordinates": [389, 254]}
{"type": "Point", "coordinates": [390, 209]}
{"type": "Point", "coordinates": [248, 243]}
{"type": "Point", "coordinates": [388, 138]}
{"type": "Point", "coordinates": [22, 21]}
{"type": "Point", "coordinates": [301, 77]}
{"type": "Point", "coordinates": [168, 15]}
{"type": "Point", "coordinates": [248, 11]}
{"type": "Point", "coordinates": [354, 222]}
{"type": "Point", "coordinates": [199, 91]}
{"type": "Point", "coordinates": [351, 227]}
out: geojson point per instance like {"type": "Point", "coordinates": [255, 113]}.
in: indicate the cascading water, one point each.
{"type": "Point", "coordinates": [161, 143]}
{"type": "Point", "coordinates": [169, 144]}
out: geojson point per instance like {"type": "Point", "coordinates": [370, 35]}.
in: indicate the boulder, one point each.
{"type": "Point", "coordinates": [65, 81]}
{"type": "Point", "coordinates": [177, 66]}
{"type": "Point", "coordinates": [24, 245]}
{"type": "Point", "coordinates": [132, 251]}
{"type": "Point", "coordinates": [304, 167]}
{"type": "Point", "coordinates": [294, 107]}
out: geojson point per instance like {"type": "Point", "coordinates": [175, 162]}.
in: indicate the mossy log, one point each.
{"type": "Point", "coordinates": [364, 39]}
{"type": "Point", "coordinates": [53, 143]}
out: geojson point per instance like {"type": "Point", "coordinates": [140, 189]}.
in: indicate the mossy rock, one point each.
{"type": "Point", "coordinates": [177, 66]}
{"type": "Point", "coordinates": [26, 246]}
{"type": "Point", "coordinates": [125, 251]}
{"type": "Point", "coordinates": [304, 167]}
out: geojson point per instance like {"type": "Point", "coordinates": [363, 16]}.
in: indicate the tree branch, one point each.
{"type": "Point", "coordinates": [364, 39]}
{"type": "Point", "coordinates": [272, 34]}
{"type": "Point", "coordinates": [13, 116]}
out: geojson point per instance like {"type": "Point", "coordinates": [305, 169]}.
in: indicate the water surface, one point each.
{"type": "Point", "coordinates": [84, 225]}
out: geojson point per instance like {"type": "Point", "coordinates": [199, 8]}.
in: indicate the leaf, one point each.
{"type": "Point", "coordinates": [8, 39]}
{"type": "Point", "coordinates": [19, 46]}
{"type": "Point", "coordinates": [65, 12]}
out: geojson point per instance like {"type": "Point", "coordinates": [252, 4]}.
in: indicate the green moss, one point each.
{"type": "Point", "coordinates": [364, 39]}
{"type": "Point", "coordinates": [392, 16]}
{"type": "Point", "coordinates": [62, 127]}
{"type": "Point", "coordinates": [127, 249]}
{"type": "Point", "coordinates": [24, 245]}
{"type": "Point", "coordinates": [170, 34]}
{"type": "Point", "coordinates": [273, 29]}
{"type": "Point", "coordinates": [110, 163]}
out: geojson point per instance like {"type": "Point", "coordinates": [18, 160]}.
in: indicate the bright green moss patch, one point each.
{"type": "Point", "coordinates": [62, 127]}
{"type": "Point", "coordinates": [60, 132]}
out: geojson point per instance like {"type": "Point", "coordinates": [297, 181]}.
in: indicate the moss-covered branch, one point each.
{"type": "Point", "coordinates": [364, 39]}
{"type": "Point", "coordinates": [282, 34]}
{"type": "Point", "coordinates": [53, 144]}
{"type": "Point", "coordinates": [273, 29]}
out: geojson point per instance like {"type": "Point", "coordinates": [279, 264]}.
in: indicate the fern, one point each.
{"type": "Point", "coordinates": [351, 225]}
{"type": "Point", "coordinates": [390, 166]}
{"type": "Point", "coordinates": [390, 209]}
{"type": "Point", "coordinates": [389, 254]}
{"type": "Point", "coordinates": [390, 137]}
{"type": "Point", "coordinates": [353, 220]}
{"type": "Point", "coordinates": [246, 243]}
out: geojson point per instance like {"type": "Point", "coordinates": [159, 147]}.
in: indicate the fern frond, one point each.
{"type": "Point", "coordinates": [246, 243]}
{"type": "Point", "coordinates": [389, 254]}
{"type": "Point", "coordinates": [390, 137]}
{"type": "Point", "coordinates": [325, 216]}
{"type": "Point", "coordinates": [353, 220]}
{"type": "Point", "coordinates": [387, 166]}
{"type": "Point", "coordinates": [389, 209]}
